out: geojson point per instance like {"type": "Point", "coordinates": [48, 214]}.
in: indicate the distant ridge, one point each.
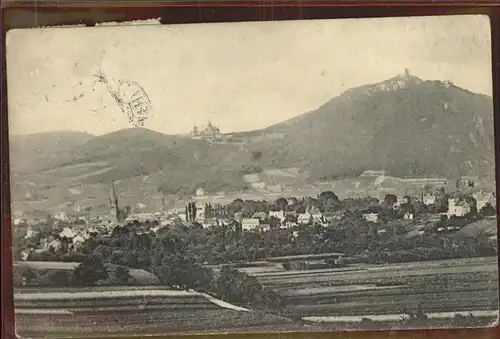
{"type": "Point", "coordinates": [405, 125]}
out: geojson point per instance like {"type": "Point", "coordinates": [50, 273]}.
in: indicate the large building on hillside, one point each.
{"type": "Point", "coordinates": [458, 208]}
{"type": "Point", "coordinates": [209, 132]}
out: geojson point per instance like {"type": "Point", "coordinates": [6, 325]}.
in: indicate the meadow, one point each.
{"type": "Point", "coordinates": [111, 311]}
{"type": "Point", "coordinates": [459, 285]}
{"type": "Point", "coordinates": [340, 298]}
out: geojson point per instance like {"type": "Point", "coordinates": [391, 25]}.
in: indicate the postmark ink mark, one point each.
{"type": "Point", "coordinates": [131, 98]}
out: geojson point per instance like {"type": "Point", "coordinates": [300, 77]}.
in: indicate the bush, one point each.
{"type": "Point", "coordinates": [90, 271]}
{"type": "Point", "coordinates": [123, 274]}
{"type": "Point", "coordinates": [240, 288]}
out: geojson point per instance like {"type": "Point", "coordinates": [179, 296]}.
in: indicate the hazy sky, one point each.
{"type": "Point", "coordinates": [242, 76]}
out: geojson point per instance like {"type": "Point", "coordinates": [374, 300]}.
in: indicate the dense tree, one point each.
{"type": "Point", "coordinates": [328, 195]}
{"type": "Point", "coordinates": [390, 200]}
{"type": "Point", "coordinates": [90, 271]}
{"type": "Point", "coordinates": [330, 206]}
{"type": "Point", "coordinates": [281, 204]}
{"type": "Point", "coordinates": [273, 222]}
{"type": "Point", "coordinates": [472, 203]}
{"type": "Point", "coordinates": [194, 211]}
{"type": "Point", "coordinates": [256, 155]}
{"type": "Point", "coordinates": [239, 288]}
{"type": "Point", "coordinates": [488, 210]}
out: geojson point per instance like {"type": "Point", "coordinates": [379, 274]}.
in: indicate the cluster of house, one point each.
{"type": "Point", "coordinates": [456, 206]}
{"type": "Point", "coordinates": [285, 219]}
{"type": "Point", "coordinates": [60, 218]}
{"type": "Point", "coordinates": [75, 231]}
{"type": "Point", "coordinates": [71, 238]}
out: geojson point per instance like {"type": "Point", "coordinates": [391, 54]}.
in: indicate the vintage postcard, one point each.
{"type": "Point", "coordinates": [253, 177]}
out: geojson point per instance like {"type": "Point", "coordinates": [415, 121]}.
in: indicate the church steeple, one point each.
{"type": "Point", "coordinates": [113, 200]}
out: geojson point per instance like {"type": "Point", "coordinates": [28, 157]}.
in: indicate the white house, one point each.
{"type": "Point", "coordinates": [182, 216]}
{"type": "Point", "coordinates": [429, 199]}
{"type": "Point", "coordinates": [264, 228]}
{"type": "Point", "coordinates": [24, 255]}
{"type": "Point", "coordinates": [458, 208]}
{"type": "Point", "coordinates": [78, 240]}
{"type": "Point", "coordinates": [372, 217]}
{"type": "Point", "coordinates": [317, 217]}
{"type": "Point", "coordinates": [30, 233]}
{"type": "Point", "coordinates": [200, 192]}
{"type": "Point", "coordinates": [260, 215]}
{"type": "Point", "coordinates": [200, 214]}
{"type": "Point", "coordinates": [67, 232]}
{"type": "Point", "coordinates": [165, 222]}
{"type": "Point", "coordinates": [280, 215]}
{"type": "Point", "coordinates": [258, 185]}
{"type": "Point", "coordinates": [400, 202]}
{"type": "Point", "coordinates": [89, 231]}
{"type": "Point", "coordinates": [408, 216]}
{"type": "Point", "coordinates": [61, 216]}
{"type": "Point", "coordinates": [55, 245]}
{"type": "Point", "coordinates": [250, 224]}
{"type": "Point", "coordinates": [483, 199]}
{"type": "Point", "coordinates": [209, 222]}
{"type": "Point", "coordinates": [19, 221]}
{"type": "Point", "coordinates": [288, 224]}
{"type": "Point", "coordinates": [304, 218]}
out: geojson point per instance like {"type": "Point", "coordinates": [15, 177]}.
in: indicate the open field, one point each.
{"type": "Point", "coordinates": [142, 321]}
{"type": "Point", "coordinates": [438, 286]}
{"type": "Point", "coordinates": [121, 311]}
{"type": "Point", "coordinates": [484, 226]}
{"type": "Point", "coordinates": [323, 299]}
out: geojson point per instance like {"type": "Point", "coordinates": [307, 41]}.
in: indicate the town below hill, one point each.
{"type": "Point", "coordinates": [437, 225]}
{"type": "Point", "coordinates": [240, 252]}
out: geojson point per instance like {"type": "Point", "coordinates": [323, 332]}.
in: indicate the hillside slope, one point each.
{"type": "Point", "coordinates": [28, 151]}
{"type": "Point", "coordinates": [405, 125]}
{"type": "Point", "coordinates": [184, 163]}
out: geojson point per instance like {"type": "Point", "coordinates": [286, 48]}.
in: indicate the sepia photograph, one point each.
{"type": "Point", "coordinates": [309, 175]}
